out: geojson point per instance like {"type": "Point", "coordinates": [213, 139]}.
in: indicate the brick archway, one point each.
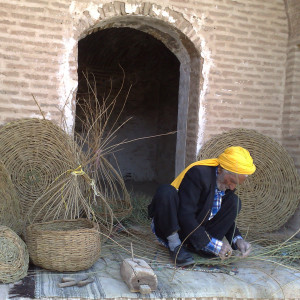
{"type": "Point", "coordinates": [178, 35]}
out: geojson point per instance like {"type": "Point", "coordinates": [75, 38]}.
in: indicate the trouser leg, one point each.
{"type": "Point", "coordinates": [163, 209]}
{"type": "Point", "coordinates": [220, 224]}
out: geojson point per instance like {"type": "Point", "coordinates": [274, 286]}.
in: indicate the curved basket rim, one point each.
{"type": "Point", "coordinates": [35, 227]}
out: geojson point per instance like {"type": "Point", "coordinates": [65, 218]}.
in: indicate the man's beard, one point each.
{"type": "Point", "coordinates": [220, 184]}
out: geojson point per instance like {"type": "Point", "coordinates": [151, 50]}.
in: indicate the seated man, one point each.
{"type": "Point", "coordinates": [199, 208]}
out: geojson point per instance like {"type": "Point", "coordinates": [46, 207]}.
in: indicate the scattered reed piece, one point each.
{"type": "Point", "coordinates": [10, 212]}
{"type": "Point", "coordinates": [64, 245]}
{"type": "Point", "coordinates": [14, 259]}
{"type": "Point", "coordinates": [271, 195]}
{"type": "Point", "coordinates": [36, 152]}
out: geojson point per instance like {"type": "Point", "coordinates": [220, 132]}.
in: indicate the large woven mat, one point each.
{"type": "Point", "coordinates": [271, 195]}
{"type": "Point", "coordinates": [10, 212]}
{"type": "Point", "coordinates": [35, 152]}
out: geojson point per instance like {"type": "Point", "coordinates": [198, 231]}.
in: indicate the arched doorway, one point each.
{"type": "Point", "coordinates": [116, 60]}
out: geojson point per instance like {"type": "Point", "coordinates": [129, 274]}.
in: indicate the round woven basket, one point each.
{"type": "Point", "coordinates": [35, 153]}
{"type": "Point", "coordinates": [10, 213]}
{"type": "Point", "coordinates": [14, 258]}
{"type": "Point", "coordinates": [271, 195]}
{"type": "Point", "coordinates": [64, 245]}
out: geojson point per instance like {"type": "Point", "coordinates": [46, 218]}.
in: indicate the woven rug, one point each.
{"type": "Point", "coordinates": [256, 281]}
{"type": "Point", "coordinates": [240, 279]}
{"type": "Point", "coordinates": [271, 195]}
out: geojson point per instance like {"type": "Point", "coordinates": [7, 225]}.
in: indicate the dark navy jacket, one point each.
{"type": "Point", "coordinates": [196, 193]}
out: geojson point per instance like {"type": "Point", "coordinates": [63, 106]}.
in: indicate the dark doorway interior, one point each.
{"type": "Point", "coordinates": [152, 76]}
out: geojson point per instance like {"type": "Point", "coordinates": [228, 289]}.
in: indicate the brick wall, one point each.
{"type": "Point", "coordinates": [291, 109]}
{"type": "Point", "coordinates": [291, 120]}
{"type": "Point", "coordinates": [32, 49]}
{"type": "Point", "coordinates": [243, 44]}
{"type": "Point", "coordinates": [247, 77]}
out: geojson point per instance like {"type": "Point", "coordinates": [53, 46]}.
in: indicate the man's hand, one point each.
{"type": "Point", "coordinates": [244, 247]}
{"type": "Point", "coordinates": [226, 250]}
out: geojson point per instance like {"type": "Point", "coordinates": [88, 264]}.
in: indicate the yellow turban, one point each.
{"type": "Point", "coordinates": [234, 159]}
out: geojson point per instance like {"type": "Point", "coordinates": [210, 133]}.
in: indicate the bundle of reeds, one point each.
{"type": "Point", "coordinates": [96, 134]}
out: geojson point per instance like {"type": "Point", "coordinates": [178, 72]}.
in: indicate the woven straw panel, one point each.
{"type": "Point", "coordinates": [271, 195]}
{"type": "Point", "coordinates": [35, 152]}
{"type": "Point", "coordinates": [10, 211]}
{"type": "Point", "coordinates": [64, 245]}
{"type": "Point", "coordinates": [14, 258]}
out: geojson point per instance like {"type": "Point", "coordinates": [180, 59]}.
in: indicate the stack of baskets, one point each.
{"type": "Point", "coordinates": [64, 245]}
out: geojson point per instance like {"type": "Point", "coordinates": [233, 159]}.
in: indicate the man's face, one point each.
{"type": "Point", "coordinates": [228, 181]}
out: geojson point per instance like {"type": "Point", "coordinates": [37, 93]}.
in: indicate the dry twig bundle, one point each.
{"type": "Point", "coordinates": [70, 196]}
{"type": "Point", "coordinates": [14, 258]}
{"type": "Point", "coordinates": [96, 135]}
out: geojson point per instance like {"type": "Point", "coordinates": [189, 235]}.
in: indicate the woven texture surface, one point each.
{"type": "Point", "coordinates": [10, 213]}
{"type": "Point", "coordinates": [14, 259]}
{"type": "Point", "coordinates": [35, 152]}
{"type": "Point", "coordinates": [271, 195]}
{"type": "Point", "coordinates": [64, 245]}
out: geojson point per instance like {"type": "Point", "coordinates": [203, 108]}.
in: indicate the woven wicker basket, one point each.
{"type": "Point", "coordinates": [64, 245]}
{"type": "Point", "coordinates": [14, 258]}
